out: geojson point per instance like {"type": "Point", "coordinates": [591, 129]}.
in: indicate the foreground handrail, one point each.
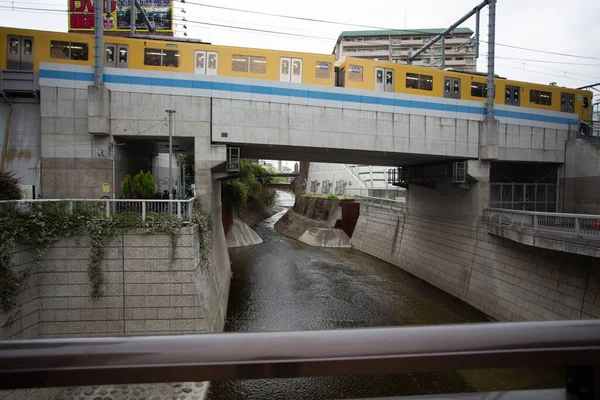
{"type": "Point", "coordinates": [230, 356]}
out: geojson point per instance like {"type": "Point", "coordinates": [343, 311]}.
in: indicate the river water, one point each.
{"type": "Point", "coordinates": [285, 285]}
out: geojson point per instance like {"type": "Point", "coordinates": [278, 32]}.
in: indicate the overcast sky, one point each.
{"type": "Point", "coordinates": [562, 26]}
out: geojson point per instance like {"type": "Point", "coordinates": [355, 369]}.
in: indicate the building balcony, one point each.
{"type": "Point", "coordinates": [371, 53]}
{"type": "Point", "coordinates": [363, 43]}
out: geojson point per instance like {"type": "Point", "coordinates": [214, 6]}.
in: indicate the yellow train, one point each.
{"type": "Point", "coordinates": [25, 49]}
{"type": "Point", "coordinates": [399, 78]}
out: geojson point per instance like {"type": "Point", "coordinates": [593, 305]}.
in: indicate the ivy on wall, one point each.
{"type": "Point", "coordinates": [39, 224]}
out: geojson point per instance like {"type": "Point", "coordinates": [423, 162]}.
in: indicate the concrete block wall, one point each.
{"type": "Point", "coordinates": [532, 143]}
{"type": "Point", "coordinates": [145, 290]}
{"type": "Point", "coordinates": [506, 280]}
{"type": "Point", "coordinates": [580, 179]}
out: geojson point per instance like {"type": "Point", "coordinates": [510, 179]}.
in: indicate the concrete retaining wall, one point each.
{"type": "Point", "coordinates": [581, 178]}
{"type": "Point", "coordinates": [145, 291]}
{"type": "Point", "coordinates": [506, 280]}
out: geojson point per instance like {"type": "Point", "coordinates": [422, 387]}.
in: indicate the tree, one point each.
{"type": "Point", "coordinates": [246, 186]}
{"type": "Point", "coordinates": [140, 187]}
{"type": "Point", "coordinates": [10, 188]}
{"type": "Point", "coordinates": [143, 185]}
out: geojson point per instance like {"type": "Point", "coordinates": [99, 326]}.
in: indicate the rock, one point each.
{"type": "Point", "coordinates": [113, 391]}
{"type": "Point", "coordinates": [199, 384]}
{"type": "Point", "coordinates": [136, 392]}
{"type": "Point", "coordinates": [195, 398]}
{"type": "Point", "coordinates": [187, 390]}
{"type": "Point", "coordinates": [97, 398]}
{"type": "Point", "coordinates": [124, 387]}
{"type": "Point", "coordinates": [176, 391]}
{"type": "Point", "coordinates": [142, 398]}
{"type": "Point", "coordinates": [88, 391]}
{"type": "Point", "coordinates": [125, 391]}
{"type": "Point", "coordinates": [104, 391]}
{"type": "Point", "coordinates": [155, 398]}
{"type": "Point", "coordinates": [107, 398]}
{"type": "Point", "coordinates": [150, 387]}
{"type": "Point", "coordinates": [94, 387]}
{"type": "Point", "coordinates": [176, 385]}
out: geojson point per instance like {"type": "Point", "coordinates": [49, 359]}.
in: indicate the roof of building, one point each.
{"type": "Point", "coordinates": [388, 32]}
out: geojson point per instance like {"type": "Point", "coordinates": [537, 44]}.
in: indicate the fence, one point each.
{"type": "Point", "coordinates": [368, 351]}
{"type": "Point", "coordinates": [386, 203]}
{"type": "Point", "coordinates": [577, 225]}
{"type": "Point", "coordinates": [182, 208]}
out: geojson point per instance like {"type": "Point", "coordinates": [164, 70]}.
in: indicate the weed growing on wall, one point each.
{"type": "Point", "coordinates": [39, 224]}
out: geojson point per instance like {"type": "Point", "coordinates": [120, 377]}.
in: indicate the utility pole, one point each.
{"type": "Point", "coordinates": [170, 112]}
{"type": "Point", "coordinates": [132, 15]}
{"type": "Point", "coordinates": [490, 61]}
{"type": "Point", "coordinates": [98, 42]}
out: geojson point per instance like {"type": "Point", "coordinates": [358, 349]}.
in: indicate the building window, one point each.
{"type": "Point", "coordinates": [161, 58]}
{"type": "Point", "coordinates": [540, 97]}
{"type": "Point", "coordinates": [323, 70]}
{"type": "Point", "coordinates": [355, 73]}
{"type": "Point", "coordinates": [396, 42]}
{"type": "Point", "coordinates": [68, 50]}
{"type": "Point", "coordinates": [418, 81]}
{"type": "Point", "coordinates": [426, 61]}
{"type": "Point", "coordinates": [258, 65]}
{"type": "Point", "coordinates": [469, 60]}
{"type": "Point", "coordinates": [478, 89]}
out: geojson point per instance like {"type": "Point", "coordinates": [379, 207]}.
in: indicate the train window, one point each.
{"type": "Point", "coordinates": [152, 57]}
{"type": "Point", "coordinates": [258, 65]}
{"type": "Point", "coordinates": [323, 70]}
{"type": "Point", "coordinates": [417, 81]}
{"type": "Point", "coordinates": [161, 58]}
{"type": "Point", "coordinates": [478, 89]}
{"type": "Point", "coordinates": [296, 67]}
{"type": "Point", "coordinates": [200, 59]}
{"type": "Point", "coordinates": [59, 50]}
{"type": "Point", "coordinates": [540, 97]}
{"type": "Point", "coordinates": [122, 55]}
{"type": "Point", "coordinates": [212, 61]}
{"type": "Point", "coordinates": [14, 46]}
{"type": "Point", "coordinates": [285, 66]}
{"type": "Point", "coordinates": [110, 54]}
{"type": "Point", "coordinates": [170, 58]}
{"type": "Point", "coordinates": [240, 63]}
{"type": "Point", "coordinates": [27, 47]}
{"type": "Point", "coordinates": [586, 102]}
{"type": "Point", "coordinates": [355, 73]}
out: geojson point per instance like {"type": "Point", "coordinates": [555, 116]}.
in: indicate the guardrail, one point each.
{"type": "Point", "coordinates": [368, 351]}
{"type": "Point", "coordinates": [182, 208]}
{"type": "Point", "coordinates": [380, 202]}
{"type": "Point", "coordinates": [576, 225]}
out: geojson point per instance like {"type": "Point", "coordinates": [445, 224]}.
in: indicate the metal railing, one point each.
{"type": "Point", "coordinates": [107, 207]}
{"type": "Point", "coordinates": [380, 202]}
{"type": "Point", "coordinates": [576, 225]}
{"type": "Point", "coordinates": [371, 351]}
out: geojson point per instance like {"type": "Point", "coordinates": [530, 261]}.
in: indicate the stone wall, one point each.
{"type": "Point", "coordinates": [145, 290]}
{"type": "Point", "coordinates": [506, 280]}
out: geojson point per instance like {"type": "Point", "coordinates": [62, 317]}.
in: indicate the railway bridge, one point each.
{"type": "Point", "coordinates": [456, 163]}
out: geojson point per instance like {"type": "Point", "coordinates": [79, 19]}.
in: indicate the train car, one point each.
{"type": "Point", "coordinates": [383, 76]}
{"type": "Point", "coordinates": [25, 49]}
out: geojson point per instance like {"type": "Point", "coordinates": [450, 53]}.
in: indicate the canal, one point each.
{"type": "Point", "coordinates": [284, 285]}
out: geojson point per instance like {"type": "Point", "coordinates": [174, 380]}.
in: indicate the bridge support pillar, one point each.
{"type": "Point", "coordinates": [98, 110]}
{"type": "Point", "coordinates": [488, 140]}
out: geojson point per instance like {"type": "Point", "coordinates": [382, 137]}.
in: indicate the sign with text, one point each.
{"type": "Point", "coordinates": [159, 12]}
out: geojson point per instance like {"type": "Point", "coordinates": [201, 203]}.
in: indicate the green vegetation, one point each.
{"type": "Point", "coordinates": [140, 187]}
{"type": "Point", "coordinates": [9, 186]}
{"type": "Point", "coordinates": [332, 196]}
{"type": "Point", "coordinates": [39, 224]}
{"type": "Point", "coordinates": [246, 186]}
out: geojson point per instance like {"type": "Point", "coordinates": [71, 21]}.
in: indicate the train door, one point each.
{"type": "Point", "coordinates": [116, 55]}
{"type": "Point", "coordinates": [290, 70]}
{"type": "Point", "coordinates": [207, 62]}
{"type": "Point", "coordinates": [19, 54]}
{"type": "Point", "coordinates": [452, 88]}
{"type": "Point", "coordinates": [567, 102]}
{"type": "Point", "coordinates": [384, 79]}
{"type": "Point", "coordinates": [511, 95]}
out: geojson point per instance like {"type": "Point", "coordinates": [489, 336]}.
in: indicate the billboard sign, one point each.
{"type": "Point", "coordinates": [159, 12]}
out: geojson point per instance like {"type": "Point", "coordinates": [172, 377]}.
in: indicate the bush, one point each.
{"type": "Point", "coordinates": [140, 187]}
{"type": "Point", "coordinates": [9, 186]}
{"type": "Point", "coordinates": [246, 186]}
{"type": "Point", "coordinates": [332, 196]}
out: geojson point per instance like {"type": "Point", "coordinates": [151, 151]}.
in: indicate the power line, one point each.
{"type": "Point", "coordinates": [549, 62]}
{"type": "Point", "coordinates": [543, 73]}
{"type": "Point", "coordinates": [554, 69]}
{"type": "Point", "coordinates": [153, 126]}
{"type": "Point", "coordinates": [33, 9]}
{"type": "Point", "coordinates": [543, 51]}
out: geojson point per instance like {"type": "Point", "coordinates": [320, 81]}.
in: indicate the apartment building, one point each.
{"type": "Point", "coordinates": [395, 45]}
